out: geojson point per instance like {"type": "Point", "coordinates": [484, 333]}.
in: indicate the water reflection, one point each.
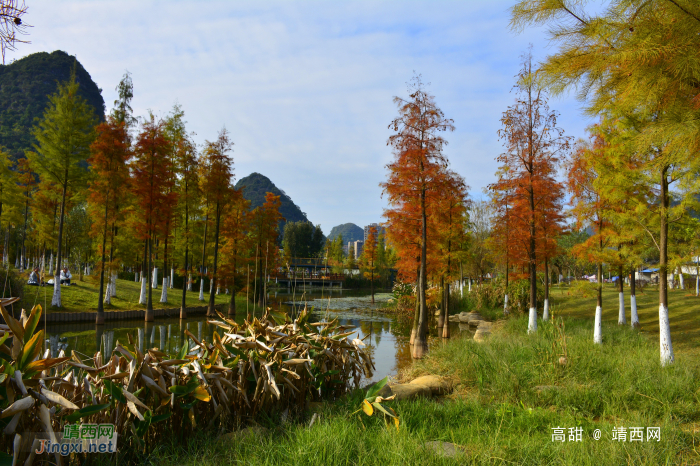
{"type": "Point", "coordinates": [385, 337]}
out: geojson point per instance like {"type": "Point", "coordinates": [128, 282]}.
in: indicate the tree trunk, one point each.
{"type": "Point", "coordinates": [185, 283]}
{"type": "Point", "coordinates": [56, 299]}
{"type": "Point", "coordinates": [232, 302]}
{"type": "Point", "coordinates": [598, 325]}
{"type": "Point", "coordinates": [545, 312]}
{"type": "Point", "coordinates": [416, 313]}
{"type": "Point", "coordinates": [142, 298]}
{"type": "Point", "coordinates": [622, 318]}
{"type": "Point", "coordinates": [665, 346]}
{"type": "Point", "coordinates": [100, 320]}
{"type": "Point", "coordinates": [149, 307]}
{"type": "Point", "coordinates": [211, 311]}
{"type": "Point", "coordinates": [420, 345]}
{"type": "Point", "coordinates": [441, 316]}
{"type": "Point", "coordinates": [633, 300]}
{"type": "Point", "coordinates": [446, 324]}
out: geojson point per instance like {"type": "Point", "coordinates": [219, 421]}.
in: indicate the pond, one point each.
{"type": "Point", "coordinates": [386, 337]}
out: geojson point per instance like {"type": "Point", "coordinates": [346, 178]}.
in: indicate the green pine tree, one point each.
{"type": "Point", "coordinates": [64, 136]}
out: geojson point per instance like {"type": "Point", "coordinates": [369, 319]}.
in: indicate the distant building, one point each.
{"type": "Point", "coordinates": [356, 247]}
{"type": "Point", "coordinates": [377, 227]}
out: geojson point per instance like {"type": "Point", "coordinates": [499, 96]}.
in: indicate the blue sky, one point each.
{"type": "Point", "coordinates": [306, 87]}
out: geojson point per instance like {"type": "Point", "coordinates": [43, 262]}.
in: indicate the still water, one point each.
{"type": "Point", "coordinates": [386, 337]}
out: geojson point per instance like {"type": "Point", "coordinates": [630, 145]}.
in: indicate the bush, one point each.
{"type": "Point", "coordinates": [491, 295]}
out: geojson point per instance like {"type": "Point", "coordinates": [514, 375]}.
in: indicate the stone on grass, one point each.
{"type": "Point", "coordinates": [481, 335]}
{"type": "Point", "coordinates": [438, 385]}
{"type": "Point", "coordinates": [409, 391]}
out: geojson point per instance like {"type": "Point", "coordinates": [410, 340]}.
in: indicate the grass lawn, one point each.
{"type": "Point", "coordinates": [511, 391]}
{"type": "Point", "coordinates": [83, 297]}
{"type": "Point", "coordinates": [683, 308]}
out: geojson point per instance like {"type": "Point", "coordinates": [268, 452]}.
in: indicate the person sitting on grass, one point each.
{"type": "Point", "coordinates": [65, 276]}
{"type": "Point", "coordinates": [34, 278]}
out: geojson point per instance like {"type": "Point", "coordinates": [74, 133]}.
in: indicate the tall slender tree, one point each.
{"type": "Point", "coordinates": [217, 184]}
{"type": "Point", "coordinates": [418, 159]}
{"type": "Point", "coordinates": [110, 155]}
{"type": "Point", "coordinates": [63, 139]}
{"type": "Point", "coordinates": [151, 186]}
{"type": "Point", "coordinates": [533, 144]}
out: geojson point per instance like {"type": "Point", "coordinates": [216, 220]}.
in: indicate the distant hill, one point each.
{"type": "Point", "coordinates": [350, 232]}
{"type": "Point", "coordinates": [255, 186]}
{"type": "Point", "coordinates": [25, 87]}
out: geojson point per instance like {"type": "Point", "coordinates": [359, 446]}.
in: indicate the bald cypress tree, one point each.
{"type": "Point", "coordinates": [64, 136]}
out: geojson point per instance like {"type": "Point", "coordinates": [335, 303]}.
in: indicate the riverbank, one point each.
{"type": "Point", "coordinates": [83, 297]}
{"type": "Point", "coordinates": [511, 392]}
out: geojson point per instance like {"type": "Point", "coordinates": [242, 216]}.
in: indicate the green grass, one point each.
{"type": "Point", "coordinates": [683, 308]}
{"type": "Point", "coordinates": [83, 297]}
{"type": "Point", "coordinates": [496, 414]}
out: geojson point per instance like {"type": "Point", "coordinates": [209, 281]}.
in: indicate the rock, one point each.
{"type": "Point", "coordinates": [453, 318]}
{"type": "Point", "coordinates": [463, 318]}
{"type": "Point", "coordinates": [463, 327]}
{"type": "Point", "coordinates": [243, 434]}
{"type": "Point", "coordinates": [474, 316]}
{"type": "Point", "coordinates": [438, 385]}
{"type": "Point", "coordinates": [483, 324]}
{"type": "Point", "coordinates": [481, 335]}
{"type": "Point", "coordinates": [444, 448]}
{"type": "Point", "coordinates": [409, 391]}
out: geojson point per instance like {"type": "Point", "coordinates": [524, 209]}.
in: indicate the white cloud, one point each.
{"type": "Point", "coordinates": [305, 88]}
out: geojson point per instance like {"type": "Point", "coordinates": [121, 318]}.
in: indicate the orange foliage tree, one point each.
{"type": "Point", "coordinates": [216, 183]}
{"type": "Point", "coordinates": [236, 244]}
{"type": "Point", "coordinates": [533, 144]}
{"type": "Point", "coordinates": [110, 153]}
{"type": "Point", "coordinates": [417, 166]}
{"type": "Point", "coordinates": [154, 196]}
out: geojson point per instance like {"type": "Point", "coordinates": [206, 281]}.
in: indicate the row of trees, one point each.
{"type": "Point", "coordinates": [140, 195]}
{"type": "Point", "coordinates": [633, 65]}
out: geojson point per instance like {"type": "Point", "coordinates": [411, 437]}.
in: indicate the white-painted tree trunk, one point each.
{"type": "Point", "coordinates": [635, 317]}
{"type": "Point", "coordinates": [680, 278]}
{"type": "Point", "coordinates": [505, 304]}
{"type": "Point", "coordinates": [201, 289]}
{"type": "Point", "coordinates": [172, 278]}
{"type": "Point", "coordinates": [598, 326]}
{"type": "Point", "coordinates": [622, 318]}
{"type": "Point", "coordinates": [189, 282]}
{"type": "Point", "coordinates": [114, 285]}
{"type": "Point", "coordinates": [532, 322]}
{"type": "Point", "coordinates": [51, 264]}
{"type": "Point", "coordinates": [154, 281]}
{"type": "Point", "coordinates": [461, 288]}
{"type": "Point", "coordinates": [143, 299]}
{"type": "Point", "coordinates": [108, 294]}
{"type": "Point", "coordinates": [470, 285]}
{"type": "Point", "coordinates": [56, 298]}
{"type": "Point", "coordinates": [218, 288]}
{"type": "Point", "coordinates": [136, 277]}
{"type": "Point", "coordinates": [545, 313]}
{"type": "Point", "coordinates": [164, 292]}
{"type": "Point", "coordinates": [665, 336]}
{"type": "Point", "coordinates": [17, 262]}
